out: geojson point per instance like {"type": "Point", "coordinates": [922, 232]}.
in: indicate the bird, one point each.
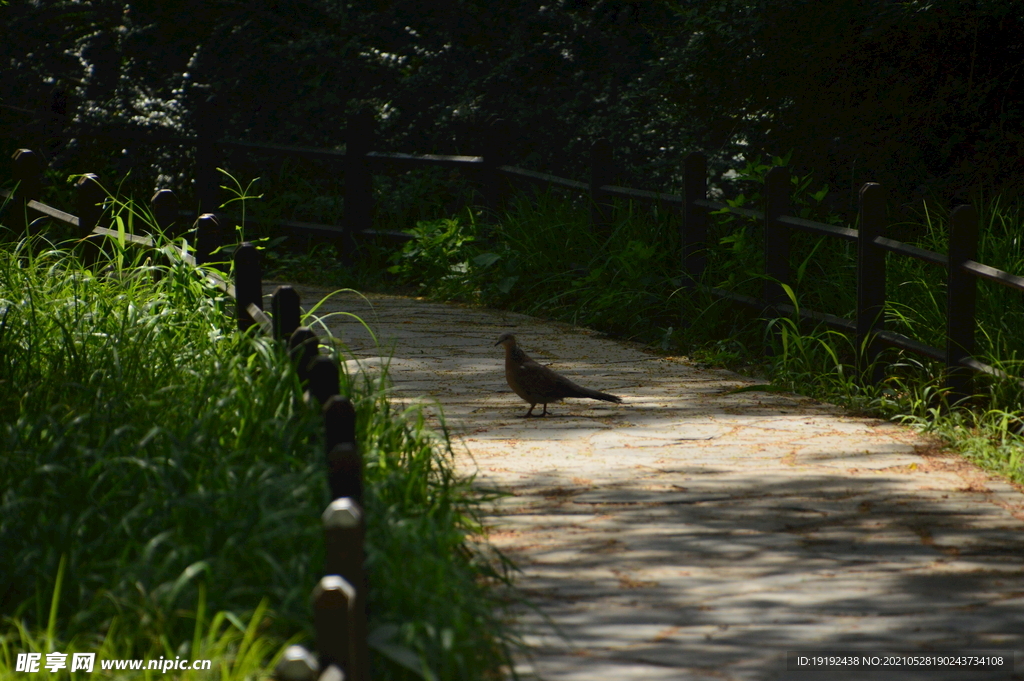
{"type": "Point", "coordinates": [538, 384]}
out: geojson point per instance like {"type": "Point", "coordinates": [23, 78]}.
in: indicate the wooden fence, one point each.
{"type": "Point", "coordinates": [339, 600]}
{"type": "Point", "coordinates": [868, 326]}
{"type": "Point", "coordinates": [359, 162]}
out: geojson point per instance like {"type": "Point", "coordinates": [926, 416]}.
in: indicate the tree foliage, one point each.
{"type": "Point", "coordinates": [912, 94]}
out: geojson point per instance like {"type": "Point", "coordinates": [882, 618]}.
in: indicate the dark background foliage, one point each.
{"type": "Point", "coordinates": [923, 97]}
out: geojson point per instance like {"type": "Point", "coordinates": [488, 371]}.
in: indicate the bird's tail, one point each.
{"type": "Point", "coordinates": [598, 395]}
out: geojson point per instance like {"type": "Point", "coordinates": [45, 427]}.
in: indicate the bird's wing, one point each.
{"type": "Point", "coordinates": [543, 381]}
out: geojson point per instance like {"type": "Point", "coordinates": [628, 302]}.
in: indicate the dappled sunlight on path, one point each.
{"type": "Point", "coordinates": [697, 533]}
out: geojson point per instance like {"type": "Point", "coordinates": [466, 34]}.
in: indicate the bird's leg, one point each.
{"type": "Point", "coordinates": [545, 413]}
{"type": "Point", "coordinates": [529, 412]}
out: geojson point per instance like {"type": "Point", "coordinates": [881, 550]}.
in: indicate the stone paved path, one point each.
{"type": "Point", "coordinates": [698, 533]}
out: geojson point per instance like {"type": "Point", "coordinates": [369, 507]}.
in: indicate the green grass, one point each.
{"type": "Point", "coordinates": [235, 648]}
{"type": "Point", "coordinates": [157, 466]}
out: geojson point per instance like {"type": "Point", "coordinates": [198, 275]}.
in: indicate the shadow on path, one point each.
{"type": "Point", "coordinates": [696, 533]}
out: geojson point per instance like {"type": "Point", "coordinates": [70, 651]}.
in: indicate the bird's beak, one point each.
{"type": "Point", "coordinates": [497, 344]}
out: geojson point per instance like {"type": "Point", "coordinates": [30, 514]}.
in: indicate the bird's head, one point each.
{"type": "Point", "coordinates": [506, 338]}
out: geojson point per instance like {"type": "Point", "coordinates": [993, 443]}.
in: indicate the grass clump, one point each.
{"type": "Point", "coordinates": [542, 258]}
{"type": "Point", "coordinates": [157, 466]}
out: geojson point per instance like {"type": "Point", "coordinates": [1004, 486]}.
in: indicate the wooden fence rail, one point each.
{"type": "Point", "coordinates": [358, 162]}
{"type": "Point", "coordinates": [340, 598]}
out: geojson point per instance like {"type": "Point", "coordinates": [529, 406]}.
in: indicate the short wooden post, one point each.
{"type": "Point", "coordinates": [209, 128]}
{"type": "Point", "coordinates": [303, 346]}
{"type": "Point", "coordinates": [344, 525]}
{"type": "Point", "coordinates": [358, 181]}
{"type": "Point", "coordinates": [344, 533]}
{"type": "Point", "coordinates": [601, 173]}
{"type": "Point", "coordinates": [248, 284]}
{"type": "Point", "coordinates": [334, 602]}
{"type": "Point", "coordinates": [296, 664]}
{"type": "Point", "coordinates": [323, 378]}
{"type": "Point", "coordinates": [284, 306]}
{"type": "Point", "coordinates": [961, 295]}
{"type": "Point", "coordinates": [332, 673]}
{"type": "Point", "coordinates": [344, 462]}
{"type": "Point", "coordinates": [89, 198]}
{"type": "Point", "coordinates": [693, 231]}
{"type": "Point", "coordinates": [164, 206]}
{"type": "Point", "coordinates": [89, 202]}
{"type": "Point", "coordinates": [27, 167]}
{"type": "Point", "coordinates": [776, 236]}
{"type": "Point", "coordinates": [870, 281]}
{"type": "Point", "coordinates": [28, 177]}
{"type": "Point", "coordinates": [208, 237]}
{"type": "Point", "coordinates": [495, 155]}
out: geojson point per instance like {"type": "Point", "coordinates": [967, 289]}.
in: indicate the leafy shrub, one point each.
{"type": "Point", "coordinates": [439, 259]}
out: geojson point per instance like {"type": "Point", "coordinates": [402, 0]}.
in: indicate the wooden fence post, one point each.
{"type": "Point", "coordinates": [358, 181]}
{"type": "Point", "coordinates": [284, 307]}
{"type": "Point", "coordinates": [89, 202]}
{"type": "Point", "coordinates": [776, 236]}
{"type": "Point", "coordinates": [164, 206]}
{"type": "Point", "coordinates": [344, 534]}
{"type": "Point", "coordinates": [323, 378]}
{"type": "Point", "coordinates": [870, 281]}
{"type": "Point", "coordinates": [602, 170]}
{"type": "Point", "coordinates": [207, 237]}
{"type": "Point", "coordinates": [332, 673]}
{"type": "Point", "coordinates": [89, 197]}
{"type": "Point", "coordinates": [693, 231]}
{"type": "Point", "coordinates": [248, 284]}
{"type": "Point", "coordinates": [296, 664]}
{"type": "Point", "coordinates": [961, 294]}
{"type": "Point", "coordinates": [333, 608]}
{"type": "Point", "coordinates": [28, 176]}
{"type": "Point", "coordinates": [776, 247]}
{"type": "Point", "coordinates": [303, 347]}
{"type": "Point", "coordinates": [345, 464]}
{"type": "Point", "coordinates": [209, 128]}
{"type": "Point", "coordinates": [344, 525]}
{"type": "Point", "coordinates": [496, 133]}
